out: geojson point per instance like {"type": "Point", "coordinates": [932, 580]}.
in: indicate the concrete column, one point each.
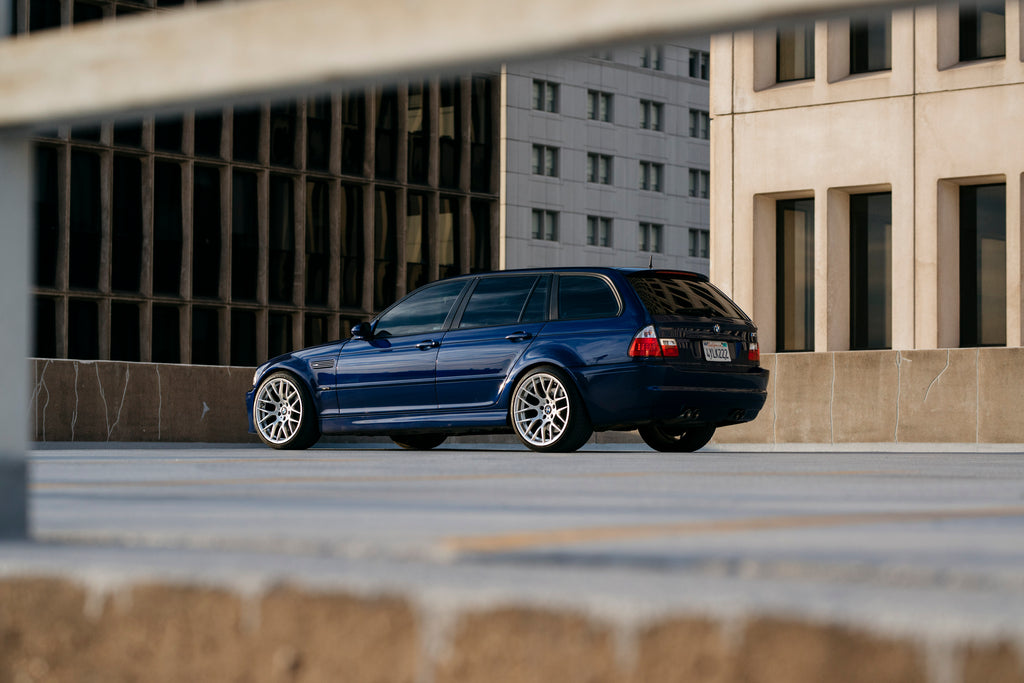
{"type": "Point", "coordinates": [15, 196]}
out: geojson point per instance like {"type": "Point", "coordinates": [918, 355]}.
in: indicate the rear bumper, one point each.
{"type": "Point", "coordinates": [636, 393]}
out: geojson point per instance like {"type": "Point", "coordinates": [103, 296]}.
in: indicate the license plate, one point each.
{"type": "Point", "coordinates": [717, 351]}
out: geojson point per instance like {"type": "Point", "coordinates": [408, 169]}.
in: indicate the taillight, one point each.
{"type": "Point", "coordinates": [647, 345]}
{"type": "Point", "coordinates": [753, 352]}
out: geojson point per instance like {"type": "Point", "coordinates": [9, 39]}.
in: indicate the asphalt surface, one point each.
{"type": "Point", "coordinates": [916, 541]}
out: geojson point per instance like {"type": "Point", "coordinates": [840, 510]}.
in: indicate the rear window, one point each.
{"type": "Point", "coordinates": [668, 294]}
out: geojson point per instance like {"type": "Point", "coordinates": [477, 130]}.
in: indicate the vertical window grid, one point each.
{"type": "Point", "coordinates": [162, 182]}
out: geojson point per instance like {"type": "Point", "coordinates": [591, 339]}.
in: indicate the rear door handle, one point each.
{"type": "Point", "coordinates": [519, 336]}
{"type": "Point", "coordinates": [429, 344]}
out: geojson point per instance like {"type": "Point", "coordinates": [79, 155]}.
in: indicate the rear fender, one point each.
{"type": "Point", "coordinates": [560, 356]}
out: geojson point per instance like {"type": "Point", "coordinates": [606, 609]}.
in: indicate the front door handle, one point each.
{"type": "Point", "coordinates": [429, 344]}
{"type": "Point", "coordinates": [519, 336]}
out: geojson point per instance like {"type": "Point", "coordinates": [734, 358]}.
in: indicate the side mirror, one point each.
{"type": "Point", "coordinates": [362, 331]}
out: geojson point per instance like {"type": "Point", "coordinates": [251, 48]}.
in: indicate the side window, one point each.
{"type": "Point", "coordinates": [585, 296]}
{"type": "Point", "coordinates": [421, 312]}
{"type": "Point", "coordinates": [536, 310]}
{"type": "Point", "coordinates": [497, 301]}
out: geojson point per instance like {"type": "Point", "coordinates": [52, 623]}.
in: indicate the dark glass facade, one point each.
{"type": "Point", "coordinates": [228, 236]}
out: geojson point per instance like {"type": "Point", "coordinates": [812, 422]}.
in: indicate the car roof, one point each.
{"type": "Point", "coordinates": [590, 269]}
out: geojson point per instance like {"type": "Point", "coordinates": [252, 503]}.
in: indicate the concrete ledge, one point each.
{"type": "Point", "coordinates": [57, 630]}
{"type": "Point", "coordinates": [960, 396]}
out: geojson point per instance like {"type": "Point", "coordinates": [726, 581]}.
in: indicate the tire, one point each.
{"type": "Point", "coordinates": [668, 439]}
{"type": "Point", "coordinates": [419, 442]}
{"type": "Point", "coordinates": [546, 412]}
{"type": "Point", "coordinates": [284, 414]}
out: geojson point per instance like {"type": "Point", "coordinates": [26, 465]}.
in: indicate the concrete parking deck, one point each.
{"type": "Point", "coordinates": [496, 564]}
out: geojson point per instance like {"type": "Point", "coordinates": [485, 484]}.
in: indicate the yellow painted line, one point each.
{"type": "Point", "coordinates": [523, 540]}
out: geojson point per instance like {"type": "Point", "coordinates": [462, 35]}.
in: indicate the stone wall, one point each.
{"type": "Point", "coordinates": [928, 396]}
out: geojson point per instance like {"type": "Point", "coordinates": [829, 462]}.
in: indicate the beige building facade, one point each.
{"type": "Point", "coordinates": [867, 177]}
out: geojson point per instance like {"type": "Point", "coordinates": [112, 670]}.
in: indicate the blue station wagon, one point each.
{"type": "Point", "coordinates": [551, 355]}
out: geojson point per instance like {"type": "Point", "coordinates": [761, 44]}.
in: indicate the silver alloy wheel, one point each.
{"type": "Point", "coordinates": [540, 409]}
{"type": "Point", "coordinates": [278, 410]}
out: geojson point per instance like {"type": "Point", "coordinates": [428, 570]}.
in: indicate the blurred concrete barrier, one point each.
{"type": "Point", "coordinates": [57, 630]}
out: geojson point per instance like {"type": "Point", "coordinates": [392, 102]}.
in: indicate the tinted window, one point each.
{"type": "Point", "coordinates": [585, 296]}
{"type": "Point", "coordinates": [497, 301]}
{"type": "Point", "coordinates": [667, 294]}
{"type": "Point", "coordinates": [422, 312]}
{"type": "Point", "coordinates": [537, 307]}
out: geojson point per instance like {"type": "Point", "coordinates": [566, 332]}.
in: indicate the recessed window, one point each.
{"type": "Point", "coordinates": [651, 176]}
{"type": "Point", "coordinates": [871, 44]}
{"type": "Point", "coordinates": [245, 240]}
{"type": "Point", "coordinates": [700, 64]}
{"type": "Point", "coordinates": [651, 115]}
{"type": "Point", "coordinates": [983, 265]}
{"type": "Point", "coordinates": [649, 238]}
{"type": "Point", "coordinates": [794, 53]}
{"type": "Point", "coordinates": [385, 249]}
{"type": "Point", "coordinates": [871, 271]}
{"type": "Point", "coordinates": [545, 225]}
{"type": "Point", "coordinates": [982, 30]}
{"type": "Point", "coordinates": [545, 96]}
{"type": "Point", "coordinates": [794, 263]}
{"type": "Point", "coordinates": [653, 58]}
{"type": "Point", "coordinates": [599, 168]}
{"type": "Point", "coordinates": [699, 243]}
{"type": "Point", "coordinates": [700, 182]}
{"type": "Point", "coordinates": [700, 124]}
{"type": "Point", "coordinates": [599, 106]}
{"type": "Point", "coordinates": [545, 161]}
{"type": "Point", "coordinates": [599, 231]}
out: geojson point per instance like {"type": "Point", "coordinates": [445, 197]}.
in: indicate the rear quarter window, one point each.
{"type": "Point", "coordinates": [665, 294]}
{"type": "Point", "coordinates": [586, 296]}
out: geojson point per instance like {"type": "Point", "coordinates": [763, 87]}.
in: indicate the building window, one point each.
{"type": "Point", "coordinates": [650, 238]}
{"type": "Point", "coordinates": [794, 262]}
{"type": "Point", "coordinates": [794, 53]}
{"type": "Point", "coordinates": [599, 168]}
{"type": "Point", "coordinates": [700, 182]}
{"type": "Point", "coordinates": [699, 243]}
{"type": "Point", "coordinates": [599, 231]}
{"type": "Point", "coordinates": [545, 96]}
{"type": "Point", "coordinates": [599, 106]}
{"type": "Point", "coordinates": [545, 225]}
{"type": "Point", "coordinates": [982, 30]}
{"type": "Point", "coordinates": [871, 44]}
{"type": "Point", "coordinates": [651, 176]}
{"type": "Point", "coordinates": [871, 271]}
{"type": "Point", "coordinates": [651, 115]}
{"type": "Point", "coordinates": [652, 58]}
{"type": "Point", "coordinates": [700, 124]}
{"type": "Point", "coordinates": [983, 265]}
{"type": "Point", "coordinates": [545, 161]}
{"type": "Point", "coordinates": [699, 64]}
